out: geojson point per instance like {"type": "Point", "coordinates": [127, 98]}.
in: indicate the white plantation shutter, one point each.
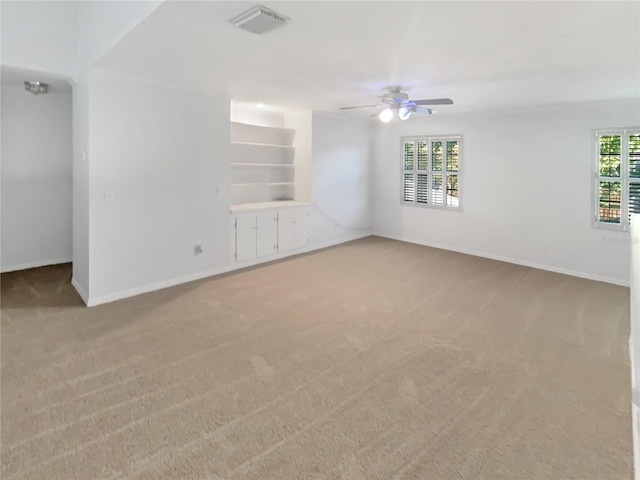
{"type": "Point", "coordinates": [422, 147]}
{"type": "Point", "coordinates": [634, 199]}
{"type": "Point", "coordinates": [452, 190]}
{"type": "Point", "coordinates": [436, 189]}
{"type": "Point", "coordinates": [409, 188]}
{"type": "Point", "coordinates": [423, 188]}
{"type": "Point", "coordinates": [634, 155]}
{"type": "Point", "coordinates": [617, 177]}
{"type": "Point", "coordinates": [430, 171]}
{"type": "Point", "coordinates": [408, 178]}
{"type": "Point", "coordinates": [408, 156]}
{"type": "Point", "coordinates": [634, 173]}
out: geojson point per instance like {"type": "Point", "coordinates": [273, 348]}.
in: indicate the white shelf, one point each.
{"type": "Point", "coordinates": [256, 184]}
{"type": "Point", "coordinates": [243, 132]}
{"type": "Point", "coordinates": [262, 164]}
{"type": "Point", "coordinates": [260, 153]}
{"type": "Point", "coordinates": [261, 192]}
{"type": "Point", "coordinates": [263, 145]}
{"type": "Point", "coordinates": [253, 173]}
{"type": "Point", "coordinates": [260, 206]}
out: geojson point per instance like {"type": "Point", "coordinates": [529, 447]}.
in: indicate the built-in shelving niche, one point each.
{"type": "Point", "coordinates": [262, 164]}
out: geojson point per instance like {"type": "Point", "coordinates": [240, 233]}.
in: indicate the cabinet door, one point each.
{"type": "Point", "coordinates": [302, 228]}
{"type": "Point", "coordinates": [245, 237]}
{"type": "Point", "coordinates": [267, 233]}
{"type": "Point", "coordinates": [285, 230]}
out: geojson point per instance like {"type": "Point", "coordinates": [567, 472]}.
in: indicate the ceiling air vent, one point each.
{"type": "Point", "coordinates": [259, 19]}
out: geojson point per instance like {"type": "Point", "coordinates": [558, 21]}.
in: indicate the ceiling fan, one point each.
{"type": "Point", "coordinates": [397, 101]}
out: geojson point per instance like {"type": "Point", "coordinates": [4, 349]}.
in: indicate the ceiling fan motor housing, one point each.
{"type": "Point", "coordinates": [395, 98]}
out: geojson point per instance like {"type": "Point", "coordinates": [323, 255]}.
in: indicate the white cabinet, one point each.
{"type": "Point", "coordinates": [256, 235]}
{"type": "Point", "coordinates": [293, 229]}
{"type": "Point", "coordinates": [263, 234]}
{"type": "Point", "coordinates": [266, 234]}
{"type": "Point", "coordinates": [245, 237]}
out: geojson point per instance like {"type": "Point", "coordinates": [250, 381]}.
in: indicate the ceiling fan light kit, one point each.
{"type": "Point", "coordinates": [397, 103]}
{"type": "Point", "coordinates": [404, 113]}
{"type": "Point", "coordinates": [386, 115]}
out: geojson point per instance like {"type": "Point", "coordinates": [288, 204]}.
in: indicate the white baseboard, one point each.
{"type": "Point", "coordinates": [475, 253]}
{"type": "Point", "coordinates": [331, 243]}
{"type": "Point", "coordinates": [34, 264]}
{"type": "Point", "coordinates": [112, 297]}
{"type": "Point", "coordinates": [299, 251]}
{"type": "Point", "coordinates": [80, 290]}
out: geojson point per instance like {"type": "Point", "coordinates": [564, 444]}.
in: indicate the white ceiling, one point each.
{"type": "Point", "coordinates": [483, 55]}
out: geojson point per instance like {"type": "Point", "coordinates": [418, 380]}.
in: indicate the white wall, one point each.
{"type": "Point", "coordinates": [103, 24]}
{"type": "Point", "coordinates": [634, 340]}
{"type": "Point", "coordinates": [99, 25]}
{"type": "Point", "coordinates": [36, 178]}
{"type": "Point", "coordinates": [526, 188]}
{"type": "Point", "coordinates": [162, 152]}
{"type": "Point", "coordinates": [340, 178]}
{"type": "Point", "coordinates": [248, 113]}
{"type": "Point", "coordinates": [42, 36]}
{"type": "Point", "coordinates": [80, 276]}
{"type": "Point", "coordinates": [301, 122]}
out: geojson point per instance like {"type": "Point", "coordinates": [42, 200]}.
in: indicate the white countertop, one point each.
{"type": "Point", "coordinates": [252, 207]}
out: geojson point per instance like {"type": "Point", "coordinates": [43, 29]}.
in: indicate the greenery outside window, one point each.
{"type": "Point", "coordinates": [431, 171]}
{"type": "Point", "coordinates": [617, 177]}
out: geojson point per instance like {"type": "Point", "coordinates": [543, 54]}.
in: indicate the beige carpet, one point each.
{"type": "Point", "coordinates": [375, 359]}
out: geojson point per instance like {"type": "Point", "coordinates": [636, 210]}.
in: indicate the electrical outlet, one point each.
{"type": "Point", "coordinates": [197, 250]}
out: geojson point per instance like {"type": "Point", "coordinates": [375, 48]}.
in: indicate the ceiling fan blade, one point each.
{"type": "Point", "coordinates": [360, 106]}
{"type": "Point", "coordinates": [423, 110]}
{"type": "Point", "coordinates": [434, 101]}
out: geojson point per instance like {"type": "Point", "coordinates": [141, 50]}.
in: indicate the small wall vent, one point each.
{"type": "Point", "coordinates": [259, 19]}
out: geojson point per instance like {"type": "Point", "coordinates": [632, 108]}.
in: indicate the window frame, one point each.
{"type": "Point", "coordinates": [429, 172]}
{"type": "Point", "coordinates": [625, 178]}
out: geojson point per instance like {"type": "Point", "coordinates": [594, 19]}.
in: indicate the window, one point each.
{"type": "Point", "coordinates": [617, 185]}
{"type": "Point", "coordinates": [431, 171]}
